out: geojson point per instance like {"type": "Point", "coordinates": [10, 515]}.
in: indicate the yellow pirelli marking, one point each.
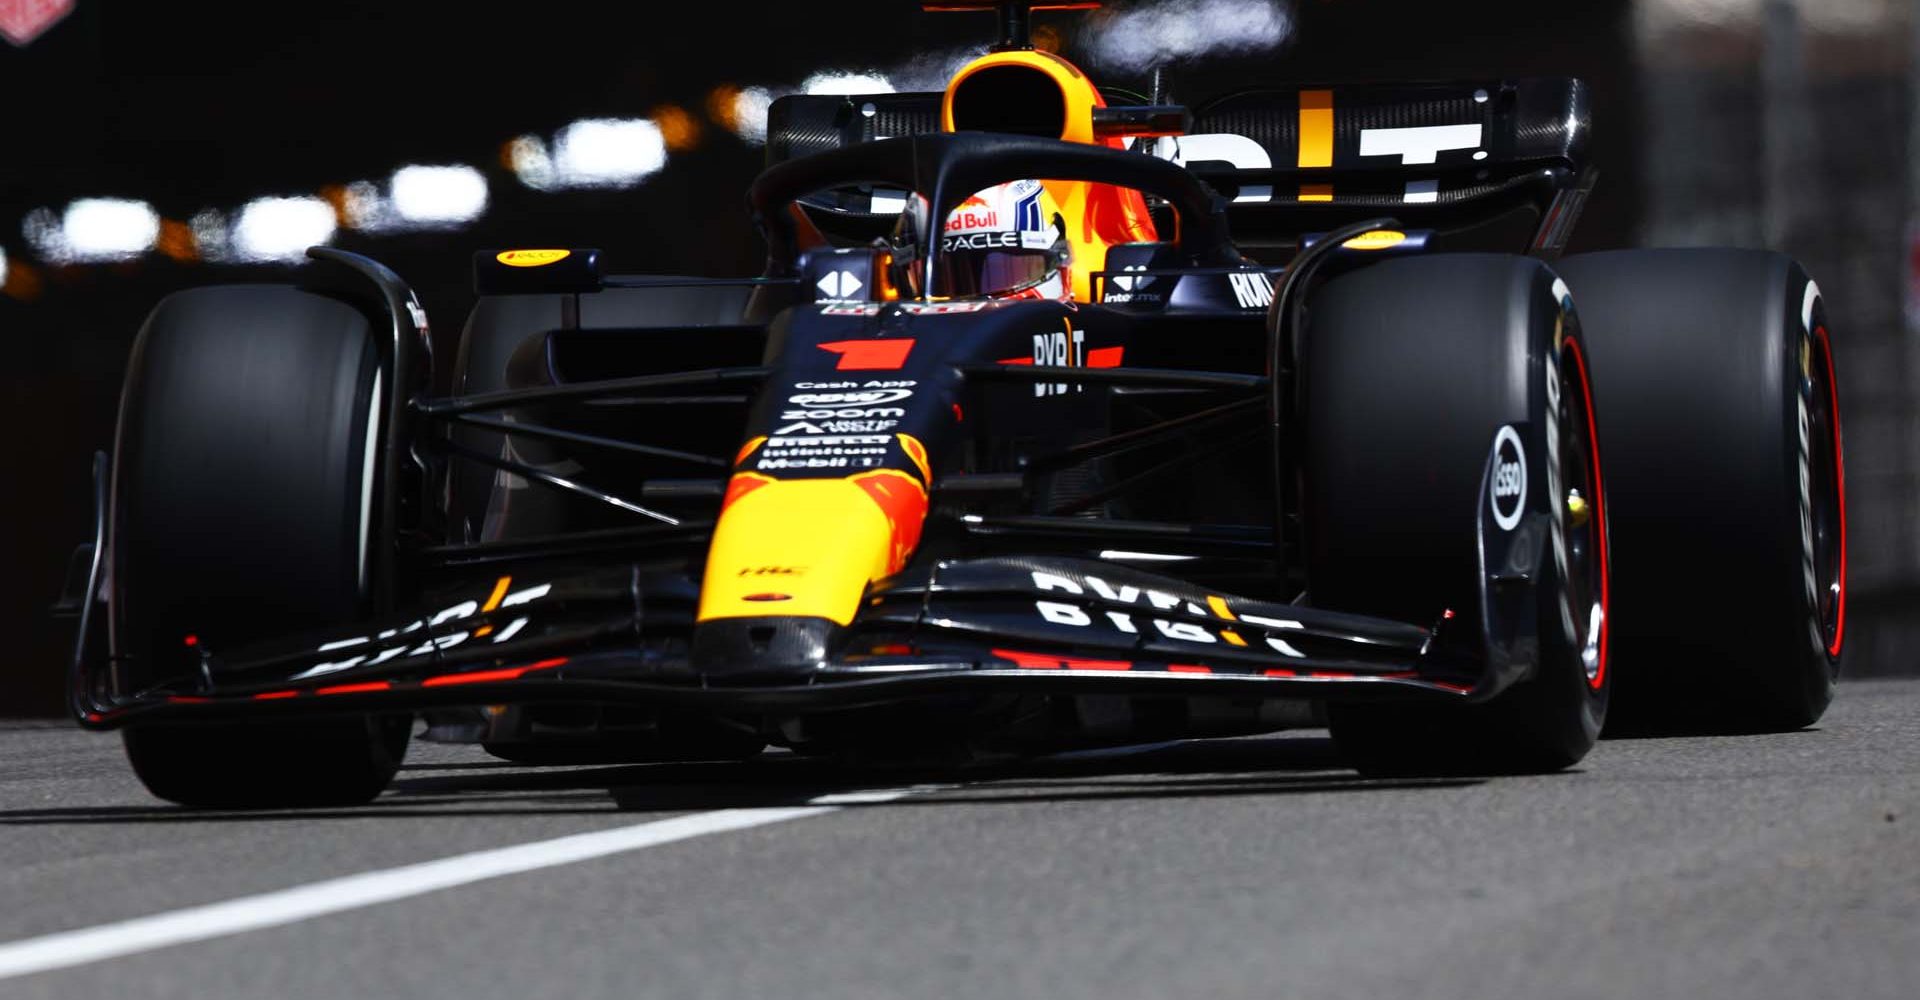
{"type": "Point", "coordinates": [499, 592]}
{"type": "Point", "coordinates": [1232, 637]}
{"type": "Point", "coordinates": [1219, 606]}
{"type": "Point", "coordinates": [1316, 128]}
{"type": "Point", "coordinates": [1316, 192]}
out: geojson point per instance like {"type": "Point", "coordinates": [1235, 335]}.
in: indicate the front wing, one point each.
{"type": "Point", "coordinates": [624, 636]}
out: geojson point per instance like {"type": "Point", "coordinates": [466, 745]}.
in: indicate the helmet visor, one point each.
{"type": "Point", "coordinates": [961, 271]}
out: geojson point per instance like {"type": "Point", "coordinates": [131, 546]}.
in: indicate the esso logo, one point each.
{"type": "Point", "coordinates": [1508, 487]}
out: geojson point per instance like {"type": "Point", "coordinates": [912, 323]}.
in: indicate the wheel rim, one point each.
{"type": "Point", "coordinates": [1580, 516]}
{"type": "Point", "coordinates": [1824, 494]}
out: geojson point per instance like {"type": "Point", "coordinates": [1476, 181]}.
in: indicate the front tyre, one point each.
{"type": "Point", "coordinates": [1416, 370]}
{"type": "Point", "coordinates": [242, 510]}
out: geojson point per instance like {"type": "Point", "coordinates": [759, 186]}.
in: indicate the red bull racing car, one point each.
{"type": "Point", "coordinates": [1057, 418]}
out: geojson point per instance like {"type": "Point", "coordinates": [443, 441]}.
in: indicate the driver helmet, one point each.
{"type": "Point", "coordinates": [1006, 242]}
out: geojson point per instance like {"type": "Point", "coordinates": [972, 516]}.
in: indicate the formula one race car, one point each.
{"type": "Point", "coordinates": [1012, 448]}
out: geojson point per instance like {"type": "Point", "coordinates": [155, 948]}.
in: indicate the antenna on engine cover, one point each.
{"type": "Point", "coordinates": [1016, 16]}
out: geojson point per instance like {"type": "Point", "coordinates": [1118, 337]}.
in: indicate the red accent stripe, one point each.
{"type": "Point", "coordinates": [1030, 661]}
{"type": "Point", "coordinates": [1054, 661]}
{"type": "Point", "coordinates": [1016, 361]}
{"type": "Point", "coordinates": [1187, 668]}
{"type": "Point", "coordinates": [740, 485]}
{"type": "Point", "coordinates": [1840, 489]}
{"type": "Point", "coordinates": [357, 688]}
{"type": "Point", "coordinates": [1331, 674]}
{"type": "Point", "coordinates": [476, 677]}
{"type": "Point", "coordinates": [182, 699]}
{"type": "Point", "coordinates": [275, 695]}
{"type": "Point", "coordinates": [486, 676]}
{"type": "Point", "coordinates": [1599, 512]}
{"type": "Point", "coordinates": [1281, 673]}
{"type": "Point", "coordinates": [1105, 357]}
{"type": "Point", "coordinates": [870, 355]}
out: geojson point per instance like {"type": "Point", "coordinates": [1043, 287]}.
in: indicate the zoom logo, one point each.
{"type": "Point", "coordinates": [1508, 484]}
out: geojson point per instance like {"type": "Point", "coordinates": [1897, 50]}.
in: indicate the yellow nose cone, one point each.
{"type": "Point", "coordinates": [809, 547]}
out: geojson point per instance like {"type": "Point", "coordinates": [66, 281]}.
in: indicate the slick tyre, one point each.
{"type": "Point", "coordinates": [1417, 371]}
{"type": "Point", "coordinates": [242, 509]}
{"type": "Point", "coordinates": [1723, 426]}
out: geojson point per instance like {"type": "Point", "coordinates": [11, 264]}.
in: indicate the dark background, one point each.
{"type": "Point", "coordinates": [1739, 130]}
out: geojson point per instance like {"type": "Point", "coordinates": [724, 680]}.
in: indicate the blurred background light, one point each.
{"type": "Point", "coordinates": [934, 70]}
{"type": "Point", "coordinates": [607, 152]}
{"type": "Point", "coordinates": [742, 111]}
{"type": "Point", "coordinates": [209, 231]}
{"type": "Point", "coordinates": [280, 229]}
{"type": "Point", "coordinates": [842, 82]}
{"type": "Point", "coordinates": [176, 241]}
{"type": "Point", "coordinates": [1142, 38]}
{"type": "Point", "coordinates": [105, 229]}
{"type": "Point", "coordinates": [41, 229]}
{"type": "Point", "coordinates": [678, 129]}
{"type": "Point", "coordinates": [361, 206]}
{"type": "Point", "coordinates": [527, 157]}
{"type": "Point", "coordinates": [18, 280]}
{"type": "Point", "coordinates": [438, 196]}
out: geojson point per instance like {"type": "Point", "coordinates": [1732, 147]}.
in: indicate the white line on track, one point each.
{"type": "Point", "coordinates": [66, 949]}
{"type": "Point", "coordinates": [271, 909]}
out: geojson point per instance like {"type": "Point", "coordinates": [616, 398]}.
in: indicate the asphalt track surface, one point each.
{"type": "Point", "coordinates": [1752, 866]}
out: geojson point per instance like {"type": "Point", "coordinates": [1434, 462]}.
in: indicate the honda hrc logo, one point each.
{"type": "Point", "coordinates": [1252, 289]}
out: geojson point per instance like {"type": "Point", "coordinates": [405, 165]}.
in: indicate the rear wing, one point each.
{"type": "Point", "coordinates": [1297, 160]}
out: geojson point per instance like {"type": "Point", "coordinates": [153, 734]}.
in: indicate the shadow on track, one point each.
{"type": "Point", "coordinates": [1281, 765]}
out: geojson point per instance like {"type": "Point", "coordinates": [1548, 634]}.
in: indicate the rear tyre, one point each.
{"type": "Point", "coordinates": [1728, 485]}
{"type": "Point", "coordinates": [1416, 370]}
{"type": "Point", "coordinates": [242, 510]}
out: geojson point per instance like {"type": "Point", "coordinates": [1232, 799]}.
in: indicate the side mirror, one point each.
{"type": "Point", "coordinates": [535, 272]}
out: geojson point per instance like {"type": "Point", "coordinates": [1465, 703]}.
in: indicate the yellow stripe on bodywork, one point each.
{"type": "Point", "coordinates": [1316, 128]}
{"type": "Point", "coordinates": [499, 593]}
{"type": "Point", "coordinates": [918, 453]}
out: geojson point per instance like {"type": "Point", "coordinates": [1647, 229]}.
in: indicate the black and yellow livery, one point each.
{"type": "Point", "coordinates": [1358, 479]}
